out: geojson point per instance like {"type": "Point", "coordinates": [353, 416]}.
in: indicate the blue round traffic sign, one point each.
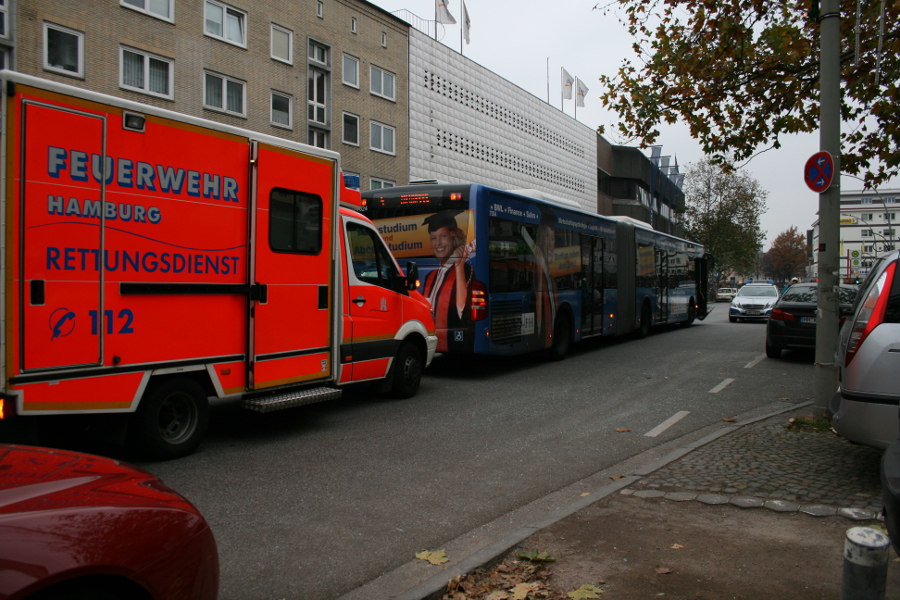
{"type": "Point", "coordinates": [819, 171]}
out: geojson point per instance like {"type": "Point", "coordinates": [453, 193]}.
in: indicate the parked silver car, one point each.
{"type": "Point", "coordinates": [864, 409]}
{"type": "Point", "coordinates": [753, 301]}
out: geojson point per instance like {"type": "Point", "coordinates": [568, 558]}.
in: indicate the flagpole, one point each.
{"type": "Point", "coordinates": [548, 80]}
{"type": "Point", "coordinates": [575, 95]}
{"type": "Point", "coordinates": [562, 91]}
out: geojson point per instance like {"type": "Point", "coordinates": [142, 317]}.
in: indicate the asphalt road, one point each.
{"type": "Point", "coordinates": [313, 502]}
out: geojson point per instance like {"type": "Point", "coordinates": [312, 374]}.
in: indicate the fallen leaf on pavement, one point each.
{"type": "Point", "coordinates": [585, 592]}
{"type": "Point", "coordinates": [498, 595]}
{"type": "Point", "coordinates": [585, 494]}
{"type": "Point", "coordinates": [521, 591]}
{"type": "Point", "coordinates": [614, 477]}
{"type": "Point", "coordinates": [663, 570]}
{"type": "Point", "coordinates": [435, 558]}
{"type": "Point", "coordinates": [622, 430]}
{"type": "Point", "coordinates": [677, 546]}
{"type": "Point", "coordinates": [728, 420]}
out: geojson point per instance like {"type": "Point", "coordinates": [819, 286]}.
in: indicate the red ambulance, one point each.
{"type": "Point", "coordinates": [153, 260]}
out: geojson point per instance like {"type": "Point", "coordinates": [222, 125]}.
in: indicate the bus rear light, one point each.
{"type": "Point", "coordinates": [2, 409]}
{"type": "Point", "coordinates": [456, 196]}
{"type": "Point", "coordinates": [871, 312]}
{"type": "Point", "coordinates": [479, 301]}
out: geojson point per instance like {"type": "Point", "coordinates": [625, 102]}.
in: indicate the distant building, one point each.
{"type": "Point", "coordinates": [869, 227]}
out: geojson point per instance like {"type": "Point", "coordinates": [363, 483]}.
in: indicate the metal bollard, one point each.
{"type": "Point", "coordinates": [866, 553]}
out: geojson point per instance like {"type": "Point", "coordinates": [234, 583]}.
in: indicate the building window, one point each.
{"type": "Point", "coordinates": [282, 44]}
{"type": "Point", "coordinates": [318, 53]}
{"type": "Point", "coordinates": [317, 102]}
{"type": "Point", "coordinates": [888, 233]}
{"type": "Point", "coordinates": [4, 22]}
{"type": "Point", "coordinates": [351, 129]}
{"type": "Point", "coordinates": [383, 39]}
{"type": "Point", "coordinates": [225, 23]}
{"type": "Point", "coordinates": [146, 73]}
{"type": "Point", "coordinates": [281, 110]}
{"type": "Point", "coordinates": [317, 138]}
{"type": "Point", "coordinates": [154, 8]}
{"type": "Point", "coordinates": [868, 248]}
{"type": "Point", "coordinates": [352, 24]}
{"type": "Point", "coordinates": [381, 83]}
{"type": "Point", "coordinates": [63, 50]}
{"type": "Point", "coordinates": [865, 233]}
{"type": "Point", "coordinates": [890, 216]}
{"type": "Point", "coordinates": [377, 184]}
{"type": "Point", "coordinates": [866, 217]}
{"type": "Point", "coordinates": [351, 71]}
{"type": "Point", "coordinates": [223, 93]}
{"type": "Point", "coordinates": [320, 9]}
{"type": "Point", "coordinates": [381, 138]}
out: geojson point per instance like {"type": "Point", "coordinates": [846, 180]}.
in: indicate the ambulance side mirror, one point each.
{"type": "Point", "coordinates": [412, 275]}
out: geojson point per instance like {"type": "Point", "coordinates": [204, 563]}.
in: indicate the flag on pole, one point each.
{"type": "Point", "coordinates": [567, 81]}
{"type": "Point", "coordinates": [581, 91]}
{"type": "Point", "coordinates": [467, 24]}
{"type": "Point", "coordinates": [442, 14]}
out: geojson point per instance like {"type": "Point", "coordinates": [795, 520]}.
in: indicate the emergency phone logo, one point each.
{"type": "Point", "coordinates": [62, 323]}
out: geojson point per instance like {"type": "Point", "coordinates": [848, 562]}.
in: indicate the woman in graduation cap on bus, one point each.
{"type": "Point", "coordinates": [448, 287]}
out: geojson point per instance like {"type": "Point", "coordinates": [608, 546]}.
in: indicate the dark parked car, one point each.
{"type": "Point", "coordinates": [74, 525]}
{"type": "Point", "coordinates": [792, 323]}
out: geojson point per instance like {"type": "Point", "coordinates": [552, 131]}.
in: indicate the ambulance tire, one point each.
{"type": "Point", "coordinates": [408, 368]}
{"type": "Point", "coordinates": [171, 419]}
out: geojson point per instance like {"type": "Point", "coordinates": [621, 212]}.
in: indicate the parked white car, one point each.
{"type": "Point", "coordinates": [725, 294]}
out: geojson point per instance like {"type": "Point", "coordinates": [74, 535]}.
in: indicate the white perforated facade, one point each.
{"type": "Point", "coordinates": [468, 124]}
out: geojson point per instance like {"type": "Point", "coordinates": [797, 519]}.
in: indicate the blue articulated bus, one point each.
{"type": "Point", "coordinates": [508, 272]}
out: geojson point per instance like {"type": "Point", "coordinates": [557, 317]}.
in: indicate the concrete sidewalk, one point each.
{"type": "Point", "coordinates": [750, 510]}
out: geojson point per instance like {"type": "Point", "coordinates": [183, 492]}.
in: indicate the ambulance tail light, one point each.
{"type": "Point", "coordinates": [479, 301]}
{"type": "Point", "coordinates": [2, 409]}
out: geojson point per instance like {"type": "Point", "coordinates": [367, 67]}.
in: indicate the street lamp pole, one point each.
{"type": "Point", "coordinates": [829, 206]}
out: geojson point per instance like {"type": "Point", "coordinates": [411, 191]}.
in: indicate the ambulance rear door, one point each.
{"type": "Point", "coordinates": [295, 215]}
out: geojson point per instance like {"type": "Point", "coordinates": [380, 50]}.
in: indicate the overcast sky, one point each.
{"type": "Point", "coordinates": [518, 39]}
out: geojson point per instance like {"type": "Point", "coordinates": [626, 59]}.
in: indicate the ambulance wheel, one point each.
{"type": "Point", "coordinates": [407, 371]}
{"type": "Point", "coordinates": [562, 338]}
{"type": "Point", "coordinates": [171, 419]}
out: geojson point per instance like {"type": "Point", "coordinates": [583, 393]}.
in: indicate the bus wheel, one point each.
{"type": "Point", "coordinates": [562, 337]}
{"type": "Point", "coordinates": [407, 371]}
{"type": "Point", "coordinates": [692, 314]}
{"type": "Point", "coordinates": [171, 419]}
{"type": "Point", "coordinates": [644, 329]}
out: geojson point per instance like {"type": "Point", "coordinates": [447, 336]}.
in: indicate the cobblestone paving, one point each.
{"type": "Point", "coordinates": [768, 464]}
